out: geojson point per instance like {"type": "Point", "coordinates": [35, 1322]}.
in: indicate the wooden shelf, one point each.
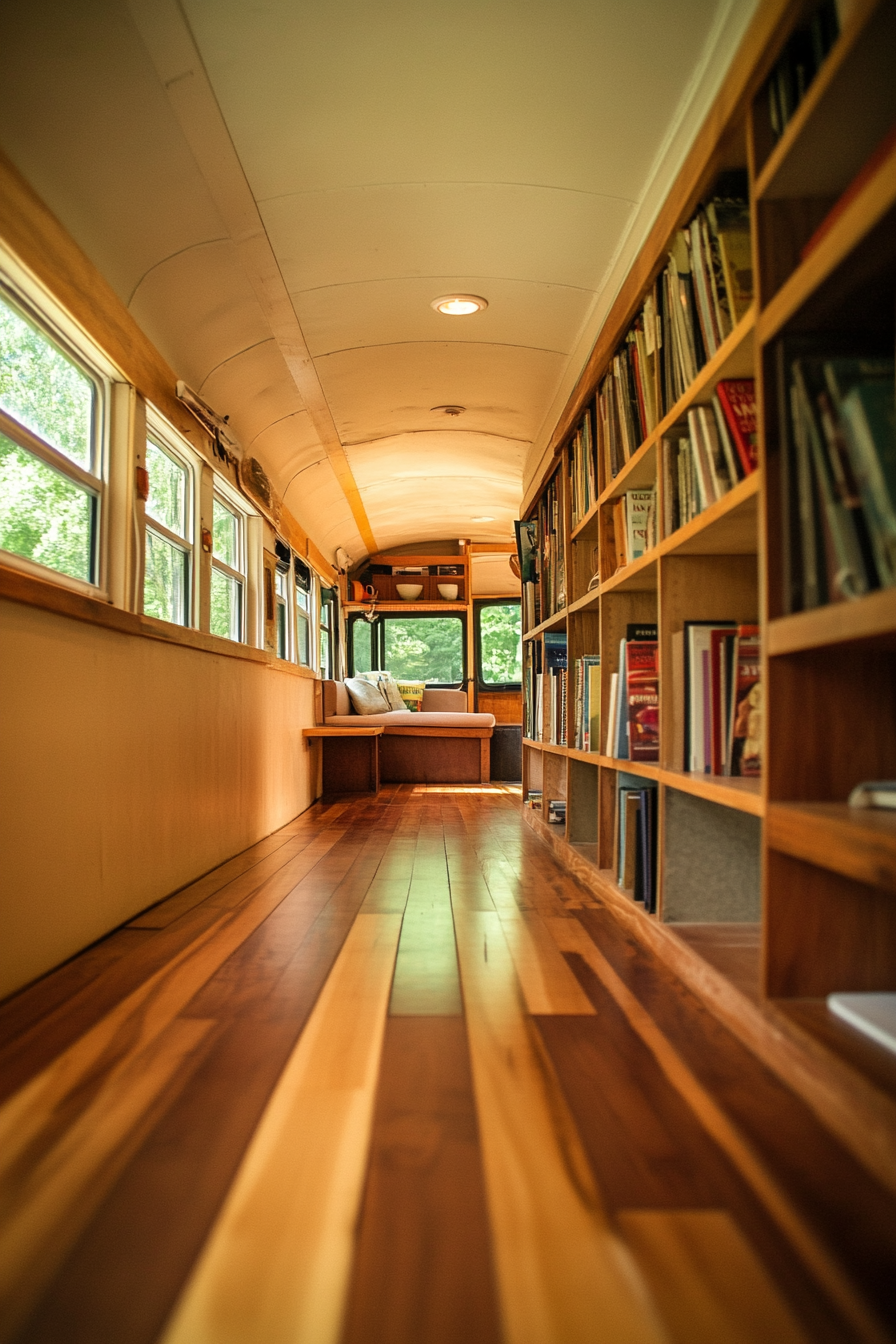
{"type": "Point", "coordinates": [728, 527]}
{"type": "Point", "coordinates": [868, 209]}
{"type": "Point", "coordinates": [550, 747]}
{"type": "Point", "coordinates": [871, 617]}
{"type": "Point", "coordinates": [847, 110]}
{"type": "Point", "coordinates": [639, 576]}
{"type": "Point", "coordinates": [410, 607]}
{"type": "Point", "coordinates": [743, 795]}
{"type": "Point", "coordinates": [588, 757]}
{"type": "Point", "coordinates": [649, 769]}
{"type": "Point", "coordinates": [857, 842]}
{"type": "Point", "coordinates": [558, 618]}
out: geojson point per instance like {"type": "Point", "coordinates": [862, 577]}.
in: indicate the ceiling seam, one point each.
{"type": "Point", "coordinates": [268, 340]}
{"type": "Point", "coordinates": [173, 52]}
{"type": "Point", "coordinates": [391, 345]}
{"type": "Point", "coordinates": [191, 247]}
{"type": "Point", "coordinates": [457, 275]}
{"type": "Point", "coordinates": [450, 182]}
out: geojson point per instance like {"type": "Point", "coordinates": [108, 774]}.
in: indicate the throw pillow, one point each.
{"type": "Point", "coordinates": [365, 697]}
{"type": "Point", "coordinates": [387, 684]}
{"type": "Point", "coordinates": [412, 694]}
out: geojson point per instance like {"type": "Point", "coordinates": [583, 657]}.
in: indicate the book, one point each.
{"type": "Point", "coordinates": [621, 743]}
{"type": "Point", "coordinates": [699, 692]}
{"type": "Point", "coordinates": [874, 793]}
{"type": "Point", "coordinates": [869, 424]}
{"type": "Point", "coordinates": [737, 398]}
{"type": "Point", "coordinates": [745, 743]}
{"type": "Point", "coordinates": [642, 699]}
{"type": "Point", "coordinates": [643, 630]}
{"type": "Point", "coordinates": [631, 801]}
{"type": "Point", "coordinates": [611, 714]}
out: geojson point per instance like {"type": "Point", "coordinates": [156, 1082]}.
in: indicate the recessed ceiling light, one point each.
{"type": "Point", "coordinates": [482, 520]}
{"type": "Point", "coordinates": [449, 410]}
{"type": "Point", "coordinates": [459, 305]}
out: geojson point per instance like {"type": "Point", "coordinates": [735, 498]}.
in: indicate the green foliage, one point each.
{"type": "Point", "coordinates": [501, 644]}
{"type": "Point", "coordinates": [45, 390]}
{"type": "Point", "coordinates": [226, 607]}
{"type": "Point", "coordinates": [43, 515]}
{"type": "Point", "coordinates": [167, 501]}
{"type": "Point", "coordinates": [224, 533]}
{"type": "Point", "coordinates": [425, 649]}
{"type": "Point", "coordinates": [165, 580]}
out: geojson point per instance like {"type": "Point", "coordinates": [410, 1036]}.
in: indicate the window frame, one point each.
{"type": "Point", "coordinates": [330, 626]}
{"type": "Point", "coordinates": [36, 307]}
{"type": "Point", "coordinates": [378, 641]}
{"type": "Point", "coordinates": [479, 604]}
{"type": "Point", "coordinates": [227, 501]}
{"type": "Point", "coordinates": [164, 437]}
{"type": "Point", "coordinates": [303, 611]}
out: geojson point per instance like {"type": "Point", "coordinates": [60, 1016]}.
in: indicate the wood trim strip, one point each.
{"type": "Point", "coordinates": [744, 78]}
{"type": "Point", "coordinates": [278, 1260]}
{"type": "Point", "coordinates": [17, 586]}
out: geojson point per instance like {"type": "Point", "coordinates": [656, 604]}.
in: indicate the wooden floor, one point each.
{"type": "Point", "coordinates": [393, 1077]}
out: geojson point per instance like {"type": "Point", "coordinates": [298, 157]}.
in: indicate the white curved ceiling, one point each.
{"type": "Point", "coordinates": [370, 157]}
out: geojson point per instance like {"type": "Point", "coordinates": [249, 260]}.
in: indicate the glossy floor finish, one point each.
{"type": "Point", "coordinates": [393, 1077]}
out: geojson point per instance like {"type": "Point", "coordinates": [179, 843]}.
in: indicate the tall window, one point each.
{"type": "Point", "coordinates": [329, 615]}
{"type": "Point", "coordinates": [50, 450]}
{"type": "Point", "coordinates": [412, 648]}
{"type": "Point", "coordinates": [499, 644]}
{"type": "Point", "coordinates": [281, 611]}
{"type": "Point", "coordinates": [168, 577]}
{"type": "Point", "coordinates": [228, 572]}
{"type": "Point", "coordinates": [303, 611]}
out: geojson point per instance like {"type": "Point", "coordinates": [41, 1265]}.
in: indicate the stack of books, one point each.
{"type": "Point", "coordinates": [717, 698]}
{"type": "Point", "coordinates": [630, 528]}
{"type": "Point", "coordinates": [557, 811]}
{"type": "Point", "coordinates": [587, 703]}
{"type": "Point", "coordinates": [799, 63]}
{"type": "Point", "coordinates": [534, 799]}
{"type": "Point", "coordinates": [690, 311]}
{"type": "Point", "coordinates": [718, 452]}
{"type": "Point", "coordinates": [633, 718]}
{"type": "Point", "coordinates": [582, 470]}
{"type": "Point", "coordinates": [553, 559]}
{"type": "Point", "coordinates": [551, 692]}
{"type": "Point", "coordinates": [636, 838]}
{"type": "Point", "coordinates": [839, 476]}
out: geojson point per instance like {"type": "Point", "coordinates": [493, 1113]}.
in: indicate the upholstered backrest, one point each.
{"type": "Point", "coordinates": [444, 702]}
{"type": "Point", "coordinates": [336, 699]}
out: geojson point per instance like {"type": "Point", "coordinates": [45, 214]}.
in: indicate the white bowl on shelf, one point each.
{"type": "Point", "coordinates": [409, 592]}
{"type": "Point", "coordinates": [448, 591]}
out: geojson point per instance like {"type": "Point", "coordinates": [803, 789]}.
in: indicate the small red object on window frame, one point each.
{"type": "Point", "coordinates": [142, 484]}
{"type": "Point", "coordinates": [206, 535]}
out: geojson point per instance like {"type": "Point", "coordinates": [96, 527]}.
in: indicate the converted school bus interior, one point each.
{"type": "Point", "coordinates": [410, 930]}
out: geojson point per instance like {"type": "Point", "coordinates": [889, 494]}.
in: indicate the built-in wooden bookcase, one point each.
{"type": "Point", "coordinates": [783, 850]}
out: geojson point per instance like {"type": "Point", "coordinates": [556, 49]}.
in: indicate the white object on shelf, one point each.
{"type": "Point", "coordinates": [872, 1014]}
{"type": "Point", "coordinates": [874, 793]}
{"type": "Point", "coordinates": [449, 591]}
{"type": "Point", "coordinates": [408, 592]}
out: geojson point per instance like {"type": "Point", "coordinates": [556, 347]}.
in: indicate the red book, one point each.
{"type": "Point", "coordinates": [745, 751]}
{"type": "Point", "coordinates": [737, 397]}
{"type": "Point", "coordinates": [719, 696]}
{"type": "Point", "coordinates": [642, 691]}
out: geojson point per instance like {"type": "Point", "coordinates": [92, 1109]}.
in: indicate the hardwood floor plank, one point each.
{"type": "Point", "coordinates": [423, 1270]}
{"type": "Point", "coordinates": [708, 1282]}
{"type": "Point", "coordinates": [562, 1272]}
{"type": "Point", "coordinates": [548, 984]}
{"type": "Point", "coordinates": [47, 1201]}
{"type": "Point", "coordinates": [170, 1192]}
{"type": "Point", "coordinates": [815, 1255]}
{"type": "Point", "coordinates": [426, 980]}
{"type": "Point", "coordinates": [276, 1265]}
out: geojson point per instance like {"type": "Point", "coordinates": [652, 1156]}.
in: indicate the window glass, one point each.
{"type": "Point", "coordinates": [44, 516]}
{"type": "Point", "coordinates": [500, 644]}
{"type": "Point", "coordinates": [168, 479]}
{"type": "Point", "coordinates": [282, 623]}
{"type": "Point", "coordinates": [165, 580]}
{"type": "Point", "coordinates": [45, 390]}
{"type": "Point", "coordinates": [303, 640]}
{"type": "Point", "coordinates": [362, 646]}
{"type": "Point", "coordinates": [227, 606]}
{"type": "Point", "coordinates": [225, 534]}
{"type": "Point", "coordinates": [424, 649]}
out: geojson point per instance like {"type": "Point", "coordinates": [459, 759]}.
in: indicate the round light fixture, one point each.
{"type": "Point", "coordinates": [482, 520]}
{"type": "Point", "coordinates": [459, 305]}
{"type": "Point", "coordinates": [449, 410]}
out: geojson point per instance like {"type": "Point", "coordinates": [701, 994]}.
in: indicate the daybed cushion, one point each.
{"type": "Point", "coordinates": [404, 717]}
{"type": "Point", "coordinates": [366, 698]}
{"type": "Point", "coordinates": [438, 701]}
